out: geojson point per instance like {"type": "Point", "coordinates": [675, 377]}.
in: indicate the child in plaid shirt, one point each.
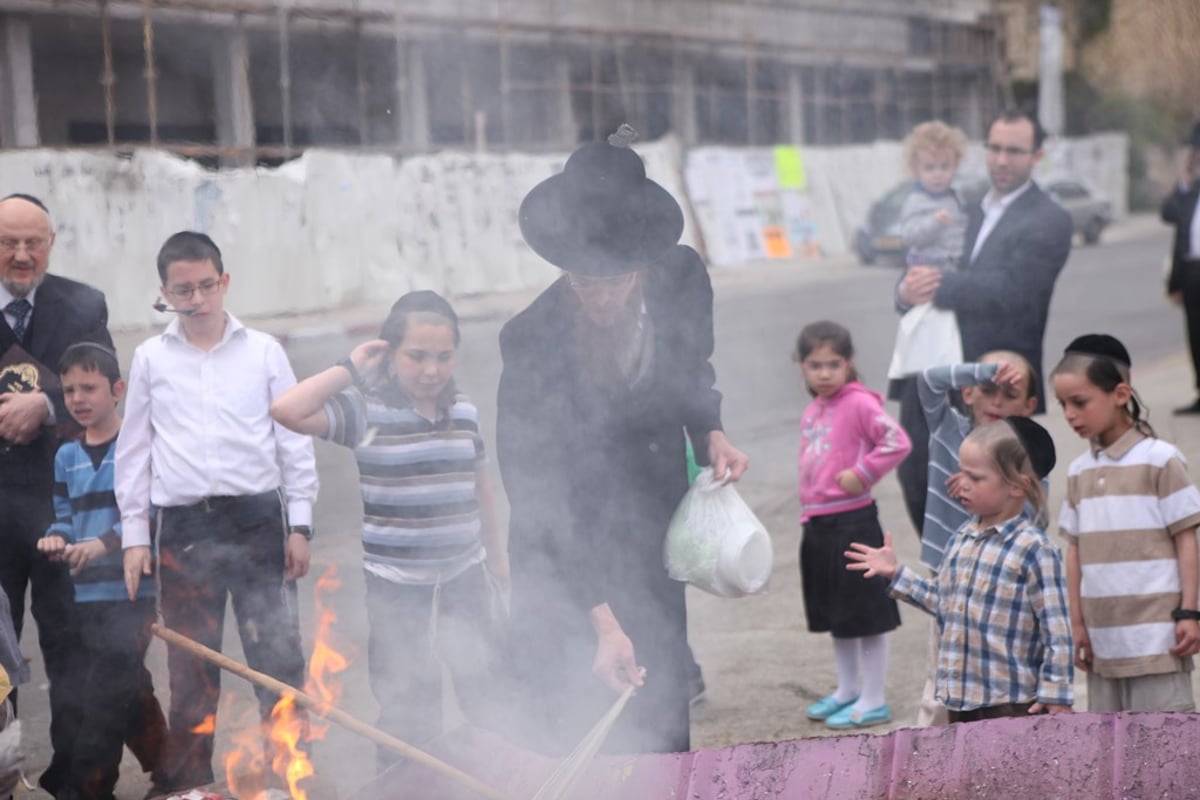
{"type": "Point", "coordinates": [1004, 636]}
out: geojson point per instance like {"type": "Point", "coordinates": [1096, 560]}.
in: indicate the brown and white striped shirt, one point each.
{"type": "Point", "coordinates": [1124, 506]}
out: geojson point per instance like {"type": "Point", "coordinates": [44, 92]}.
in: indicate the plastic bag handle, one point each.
{"type": "Point", "coordinates": [706, 481]}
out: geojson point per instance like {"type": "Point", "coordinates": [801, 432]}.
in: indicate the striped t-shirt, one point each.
{"type": "Point", "coordinates": [85, 508]}
{"type": "Point", "coordinates": [421, 521]}
{"type": "Point", "coordinates": [1124, 506]}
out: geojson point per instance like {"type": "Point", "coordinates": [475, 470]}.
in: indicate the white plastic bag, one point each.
{"type": "Point", "coordinates": [927, 337]}
{"type": "Point", "coordinates": [716, 543]}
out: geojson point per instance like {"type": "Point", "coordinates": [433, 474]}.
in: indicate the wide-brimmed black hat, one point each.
{"type": "Point", "coordinates": [601, 215]}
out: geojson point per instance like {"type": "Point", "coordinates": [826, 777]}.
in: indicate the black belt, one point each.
{"type": "Point", "coordinates": [222, 502]}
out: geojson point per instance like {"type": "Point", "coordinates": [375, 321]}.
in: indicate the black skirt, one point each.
{"type": "Point", "coordinates": [837, 600]}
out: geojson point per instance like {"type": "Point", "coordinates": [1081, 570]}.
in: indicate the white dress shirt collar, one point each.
{"type": "Point", "coordinates": [993, 209]}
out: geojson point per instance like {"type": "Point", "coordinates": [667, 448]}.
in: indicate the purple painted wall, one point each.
{"type": "Point", "coordinates": [1084, 756]}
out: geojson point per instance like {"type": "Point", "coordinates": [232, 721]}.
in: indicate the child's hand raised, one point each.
{"type": "Point", "coordinates": [954, 485]}
{"type": "Point", "coordinates": [370, 359]}
{"type": "Point", "coordinates": [1007, 374]}
{"type": "Point", "coordinates": [872, 561]}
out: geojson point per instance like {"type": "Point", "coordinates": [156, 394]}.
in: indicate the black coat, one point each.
{"type": "Point", "coordinates": [1002, 297]}
{"type": "Point", "coordinates": [64, 312]}
{"type": "Point", "coordinates": [593, 479]}
{"type": "Point", "coordinates": [1178, 210]}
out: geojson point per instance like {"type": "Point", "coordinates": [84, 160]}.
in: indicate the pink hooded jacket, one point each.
{"type": "Point", "coordinates": [849, 430]}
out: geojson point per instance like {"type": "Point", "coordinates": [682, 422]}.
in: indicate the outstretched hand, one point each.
{"type": "Point", "coordinates": [872, 561]}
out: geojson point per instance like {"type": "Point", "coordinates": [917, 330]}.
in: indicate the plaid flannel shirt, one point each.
{"type": "Point", "coordinates": [1004, 633]}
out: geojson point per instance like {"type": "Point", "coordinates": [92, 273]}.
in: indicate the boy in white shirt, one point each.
{"type": "Point", "coordinates": [231, 490]}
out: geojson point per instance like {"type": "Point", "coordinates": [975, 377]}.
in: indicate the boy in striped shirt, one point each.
{"type": "Point", "coordinates": [117, 703]}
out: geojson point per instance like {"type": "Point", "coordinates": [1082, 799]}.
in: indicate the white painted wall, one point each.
{"type": "Point", "coordinates": [334, 229]}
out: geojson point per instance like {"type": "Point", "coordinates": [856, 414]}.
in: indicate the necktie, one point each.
{"type": "Point", "coordinates": [20, 309]}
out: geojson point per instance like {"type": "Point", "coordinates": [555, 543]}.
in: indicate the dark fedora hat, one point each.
{"type": "Point", "coordinates": [601, 215]}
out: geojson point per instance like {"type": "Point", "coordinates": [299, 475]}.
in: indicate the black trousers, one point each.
{"type": "Point", "coordinates": [913, 472]}
{"type": "Point", "coordinates": [120, 705]}
{"type": "Point", "coordinates": [24, 516]}
{"type": "Point", "coordinates": [226, 547]}
{"type": "Point", "coordinates": [411, 627]}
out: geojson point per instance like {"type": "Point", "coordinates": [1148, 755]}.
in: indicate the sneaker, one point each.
{"type": "Point", "coordinates": [826, 707]}
{"type": "Point", "coordinates": [848, 719]}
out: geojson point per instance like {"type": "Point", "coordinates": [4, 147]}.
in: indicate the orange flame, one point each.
{"type": "Point", "coordinates": [289, 730]}
{"type": "Point", "coordinates": [207, 726]}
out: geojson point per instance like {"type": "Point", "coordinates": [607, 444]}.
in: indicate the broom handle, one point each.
{"type": "Point", "coordinates": [326, 711]}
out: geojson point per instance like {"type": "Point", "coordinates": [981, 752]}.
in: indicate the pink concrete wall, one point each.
{"type": "Point", "coordinates": [1065, 756]}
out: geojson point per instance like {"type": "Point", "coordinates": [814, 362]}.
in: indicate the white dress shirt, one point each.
{"type": "Point", "coordinates": [993, 209]}
{"type": "Point", "coordinates": [197, 425]}
{"type": "Point", "coordinates": [1194, 255]}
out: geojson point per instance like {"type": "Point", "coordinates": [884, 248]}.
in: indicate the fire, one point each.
{"type": "Point", "coordinates": [289, 731]}
{"type": "Point", "coordinates": [207, 726]}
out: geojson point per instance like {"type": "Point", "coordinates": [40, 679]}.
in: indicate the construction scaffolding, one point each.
{"type": "Point", "coordinates": [397, 81]}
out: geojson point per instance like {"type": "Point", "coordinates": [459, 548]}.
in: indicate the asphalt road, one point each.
{"type": "Point", "coordinates": [761, 667]}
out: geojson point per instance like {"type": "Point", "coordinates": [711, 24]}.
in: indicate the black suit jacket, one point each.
{"type": "Point", "coordinates": [64, 312]}
{"type": "Point", "coordinates": [1178, 210]}
{"type": "Point", "coordinates": [1002, 297]}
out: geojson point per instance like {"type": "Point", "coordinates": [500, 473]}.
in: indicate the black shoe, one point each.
{"type": "Point", "coordinates": [1194, 408]}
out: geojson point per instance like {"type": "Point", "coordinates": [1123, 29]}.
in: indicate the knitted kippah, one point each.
{"type": "Point", "coordinates": [1100, 344]}
{"type": "Point", "coordinates": [1037, 443]}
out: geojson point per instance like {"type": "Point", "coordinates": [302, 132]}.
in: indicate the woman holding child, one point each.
{"type": "Point", "coordinates": [603, 375]}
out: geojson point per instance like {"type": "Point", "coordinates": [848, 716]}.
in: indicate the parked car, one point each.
{"type": "Point", "coordinates": [1090, 214]}
{"type": "Point", "coordinates": [879, 235]}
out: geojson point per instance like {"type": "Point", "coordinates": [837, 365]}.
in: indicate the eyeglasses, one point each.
{"type": "Point", "coordinates": [585, 283]}
{"type": "Point", "coordinates": [185, 292]}
{"type": "Point", "coordinates": [1011, 152]}
{"type": "Point", "coordinates": [35, 245]}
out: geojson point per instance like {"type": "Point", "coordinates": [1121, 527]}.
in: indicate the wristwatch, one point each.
{"type": "Point", "coordinates": [304, 530]}
{"type": "Point", "coordinates": [1185, 613]}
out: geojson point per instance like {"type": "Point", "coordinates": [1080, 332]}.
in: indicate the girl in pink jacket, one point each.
{"type": "Point", "coordinates": [848, 443]}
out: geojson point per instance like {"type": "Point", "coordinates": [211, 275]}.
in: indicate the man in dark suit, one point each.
{"type": "Point", "coordinates": [1017, 242]}
{"type": "Point", "coordinates": [1183, 283]}
{"type": "Point", "coordinates": [42, 316]}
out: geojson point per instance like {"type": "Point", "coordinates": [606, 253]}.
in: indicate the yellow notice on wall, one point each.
{"type": "Point", "coordinates": [789, 168]}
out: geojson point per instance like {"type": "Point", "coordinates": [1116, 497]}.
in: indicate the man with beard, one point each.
{"type": "Point", "coordinates": [42, 316]}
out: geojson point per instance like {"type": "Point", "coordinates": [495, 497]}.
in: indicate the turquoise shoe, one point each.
{"type": "Point", "coordinates": [826, 707]}
{"type": "Point", "coordinates": [848, 719]}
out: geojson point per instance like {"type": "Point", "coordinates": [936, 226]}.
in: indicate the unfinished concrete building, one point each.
{"type": "Point", "coordinates": [262, 79]}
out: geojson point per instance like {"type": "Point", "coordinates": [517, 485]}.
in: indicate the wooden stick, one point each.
{"type": "Point", "coordinates": [327, 711]}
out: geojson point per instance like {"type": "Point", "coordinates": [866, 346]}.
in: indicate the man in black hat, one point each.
{"type": "Point", "coordinates": [1183, 282]}
{"type": "Point", "coordinates": [603, 376]}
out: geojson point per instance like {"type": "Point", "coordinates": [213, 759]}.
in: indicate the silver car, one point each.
{"type": "Point", "coordinates": [1090, 214]}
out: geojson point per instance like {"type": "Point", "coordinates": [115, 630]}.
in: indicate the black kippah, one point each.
{"type": "Point", "coordinates": [1037, 443]}
{"type": "Point", "coordinates": [1102, 345]}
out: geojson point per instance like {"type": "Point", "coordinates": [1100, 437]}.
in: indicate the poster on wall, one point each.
{"type": "Point", "coordinates": [752, 204]}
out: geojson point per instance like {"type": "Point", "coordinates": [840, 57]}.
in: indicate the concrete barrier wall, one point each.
{"type": "Point", "coordinates": [333, 229]}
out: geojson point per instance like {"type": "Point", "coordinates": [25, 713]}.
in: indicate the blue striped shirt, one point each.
{"type": "Point", "coordinates": [1004, 634]}
{"type": "Point", "coordinates": [421, 521]}
{"type": "Point", "coordinates": [947, 429]}
{"type": "Point", "coordinates": [85, 508]}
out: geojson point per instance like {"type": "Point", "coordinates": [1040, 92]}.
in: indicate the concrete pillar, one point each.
{"type": "Point", "coordinates": [567, 132]}
{"type": "Point", "coordinates": [231, 91]}
{"type": "Point", "coordinates": [795, 106]}
{"type": "Point", "coordinates": [411, 93]}
{"type": "Point", "coordinates": [684, 120]}
{"type": "Point", "coordinates": [20, 123]}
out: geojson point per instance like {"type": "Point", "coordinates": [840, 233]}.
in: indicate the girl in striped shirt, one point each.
{"type": "Point", "coordinates": [432, 554]}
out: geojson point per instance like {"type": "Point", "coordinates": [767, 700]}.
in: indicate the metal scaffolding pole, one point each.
{"type": "Point", "coordinates": [151, 75]}
{"type": "Point", "coordinates": [108, 78]}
